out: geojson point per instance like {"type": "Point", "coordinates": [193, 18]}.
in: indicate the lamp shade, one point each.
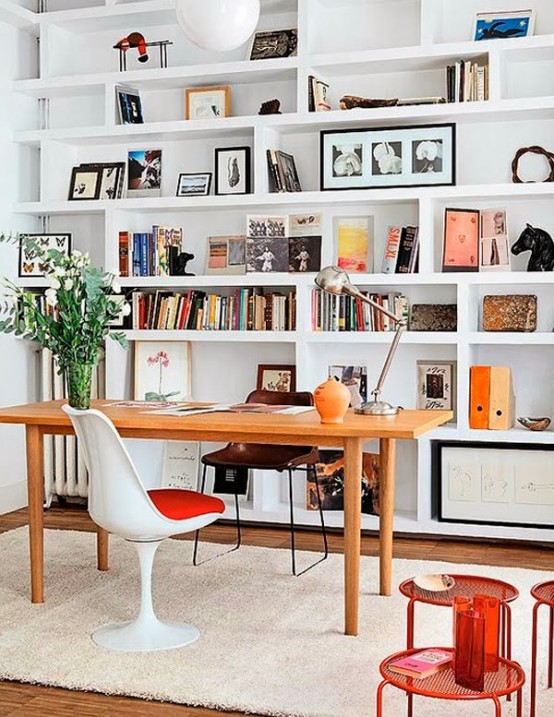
{"type": "Point", "coordinates": [218, 25]}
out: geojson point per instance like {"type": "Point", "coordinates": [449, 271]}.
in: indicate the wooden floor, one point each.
{"type": "Point", "coordinates": [20, 700]}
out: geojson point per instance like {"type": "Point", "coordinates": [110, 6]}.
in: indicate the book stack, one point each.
{"type": "Point", "coordinates": [401, 250]}
{"type": "Point", "coordinates": [244, 310]}
{"type": "Point", "coordinates": [347, 313]}
{"type": "Point", "coordinates": [151, 253]}
{"type": "Point", "coordinates": [468, 81]}
{"type": "Point", "coordinates": [422, 664]}
{"type": "Point", "coordinates": [283, 176]}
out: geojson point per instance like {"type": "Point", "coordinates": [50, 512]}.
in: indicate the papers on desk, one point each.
{"type": "Point", "coordinates": [194, 409]}
{"type": "Point", "coordinates": [144, 404]}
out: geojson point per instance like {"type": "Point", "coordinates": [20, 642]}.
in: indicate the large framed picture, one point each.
{"type": "Point", "coordinates": [232, 170]}
{"type": "Point", "coordinates": [29, 263]}
{"type": "Point", "coordinates": [461, 240]}
{"type": "Point", "coordinates": [503, 25]}
{"type": "Point", "coordinates": [436, 385]}
{"type": "Point", "coordinates": [276, 377]}
{"type": "Point", "coordinates": [207, 102]}
{"type": "Point", "coordinates": [415, 156]}
{"type": "Point", "coordinates": [494, 483]}
{"type": "Point", "coordinates": [162, 370]}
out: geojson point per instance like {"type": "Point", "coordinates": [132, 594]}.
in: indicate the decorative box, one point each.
{"type": "Point", "coordinates": [511, 312]}
{"type": "Point", "coordinates": [434, 317]}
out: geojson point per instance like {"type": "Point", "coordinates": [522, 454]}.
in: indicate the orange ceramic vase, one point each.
{"type": "Point", "coordinates": [332, 399]}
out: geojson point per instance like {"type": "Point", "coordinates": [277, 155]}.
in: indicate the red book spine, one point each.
{"type": "Point", "coordinates": [123, 253]}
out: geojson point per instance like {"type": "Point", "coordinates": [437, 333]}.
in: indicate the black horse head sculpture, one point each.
{"type": "Point", "coordinates": [541, 246]}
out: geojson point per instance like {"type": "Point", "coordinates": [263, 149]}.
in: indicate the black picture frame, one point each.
{"type": "Point", "coordinates": [359, 161]}
{"type": "Point", "coordinates": [88, 187]}
{"type": "Point", "coordinates": [207, 186]}
{"type": "Point", "coordinates": [245, 187]}
{"type": "Point", "coordinates": [274, 44]}
{"type": "Point", "coordinates": [493, 513]}
{"type": "Point", "coordinates": [28, 266]}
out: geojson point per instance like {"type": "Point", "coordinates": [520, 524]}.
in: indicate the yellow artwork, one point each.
{"type": "Point", "coordinates": [353, 244]}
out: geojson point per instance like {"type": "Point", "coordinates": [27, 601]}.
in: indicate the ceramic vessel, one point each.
{"type": "Point", "coordinates": [332, 399]}
{"type": "Point", "coordinates": [535, 424]}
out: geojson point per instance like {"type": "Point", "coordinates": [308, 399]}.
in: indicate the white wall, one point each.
{"type": "Point", "coordinates": [17, 374]}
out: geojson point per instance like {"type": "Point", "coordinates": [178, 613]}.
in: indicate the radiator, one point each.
{"type": "Point", "coordinates": [64, 471]}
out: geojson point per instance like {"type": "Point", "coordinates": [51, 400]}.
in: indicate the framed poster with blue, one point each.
{"type": "Point", "coordinates": [504, 25]}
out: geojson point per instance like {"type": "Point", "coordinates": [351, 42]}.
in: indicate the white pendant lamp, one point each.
{"type": "Point", "coordinates": [218, 25]}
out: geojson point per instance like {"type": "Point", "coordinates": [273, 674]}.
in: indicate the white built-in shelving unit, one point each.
{"type": "Point", "coordinates": [374, 48]}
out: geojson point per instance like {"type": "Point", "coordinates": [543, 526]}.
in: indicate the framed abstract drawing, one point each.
{"type": "Point", "coordinates": [461, 240]}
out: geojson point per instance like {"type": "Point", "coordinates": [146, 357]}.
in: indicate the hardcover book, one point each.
{"type": "Point", "coordinates": [391, 250]}
{"type": "Point", "coordinates": [512, 312]}
{"type": "Point", "coordinates": [422, 664]}
{"type": "Point", "coordinates": [407, 251]}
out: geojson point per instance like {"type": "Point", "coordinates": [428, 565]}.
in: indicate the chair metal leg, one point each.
{"type": "Point", "coordinates": [292, 535]}
{"type": "Point", "coordinates": [237, 545]}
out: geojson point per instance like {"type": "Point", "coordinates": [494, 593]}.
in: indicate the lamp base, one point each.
{"type": "Point", "coordinates": [378, 408]}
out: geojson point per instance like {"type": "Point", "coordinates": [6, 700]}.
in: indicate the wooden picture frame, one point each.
{"type": "Point", "coordinates": [203, 103]}
{"type": "Point", "coordinates": [28, 262]}
{"type": "Point", "coordinates": [151, 378]}
{"type": "Point", "coordinates": [276, 377]}
{"type": "Point", "coordinates": [461, 240]}
{"type": "Point", "coordinates": [232, 173]}
{"type": "Point", "coordinates": [193, 184]}
{"type": "Point", "coordinates": [85, 184]}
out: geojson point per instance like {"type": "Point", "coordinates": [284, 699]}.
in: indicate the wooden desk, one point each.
{"type": "Point", "coordinates": [303, 429]}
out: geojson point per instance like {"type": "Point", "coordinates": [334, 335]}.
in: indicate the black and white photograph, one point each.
{"type": "Point", "coordinates": [274, 43]}
{"type": "Point", "coordinates": [109, 183]}
{"type": "Point", "coordinates": [427, 156]}
{"type": "Point", "coordinates": [144, 177]}
{"type": "Point", "coordinates": [267, 255]}
{"type": "Point", "coordinates": [85, 183]}
{"type": "Point", "coordinates": [347, 160]}
{"type": "Point", "coordinates": [355, 380]}
{"type": "Point", "coordinates": [262, 226]}
{"type": "Point", "coordinates": [232, 170]}
{"type": "Point", "coordinates": [386, 157]}
{"type": "Point", "coordinates": [194, 185]}
{"type": "Point", "coordinates": [290, 174]}
{"type": "Point", "coordinates": [305, 254]}
{"type": "Point", "coordinates": [129, 106]}
{"type": "Point", "coordinates": [29, 263]}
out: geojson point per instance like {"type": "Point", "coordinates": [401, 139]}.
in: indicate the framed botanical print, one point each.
{"type": "Point", "coordinates": [276, 377]}
{"type": "Point", "coordinates": [461, 240]}
{"type": "Point", "coordinates": [29, 263]}
{"type": "Point", "coordinates": [162, 370]}
{"type": "Point", "coordinates": [436, 385]}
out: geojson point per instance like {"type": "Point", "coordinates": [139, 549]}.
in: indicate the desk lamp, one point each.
{"type": "Point", "coordinates": [336, 281]}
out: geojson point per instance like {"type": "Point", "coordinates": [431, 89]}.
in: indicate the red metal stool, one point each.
{"type": "Point", "coordinates": [544, 595]}
{"type": "Point", "coordinates": [465, 586]}
{"type": "Point", "coordinates": [510, 678]}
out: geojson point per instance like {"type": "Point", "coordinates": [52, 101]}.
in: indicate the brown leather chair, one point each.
{"type": "Point", "coordinates": [269, 457]}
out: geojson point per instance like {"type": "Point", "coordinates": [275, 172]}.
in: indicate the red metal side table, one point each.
{"type": "Point", "coordinates": [465, 586]}
{"type": "Point", "coordinates": [544, 595]}
{"type": "Point", "coordinates": [510, 678]}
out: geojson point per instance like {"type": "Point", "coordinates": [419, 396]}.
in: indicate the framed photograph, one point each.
{"type": "Point", "coordinates": [144, 173]}
{"type": "Point", "coordinates": [85, 183]}
{"type": "Point", "coordinates": [461, 240]}
{"type": "Point", "coordinates": [207, 102]}
{"type": "Point", "coordinates": [436, 385]}
{"type": "Point", "coordinates": [494, 483]}
{"type": "Point", "coordinates": [268, 255]}
{"type": "Point", "coordinates": [494, 250]}
{"type": "Point", "coordinates": [232, 170]}
{"type": "Point", "coordinates": [504, 25]}
{"type": "Point", "coordinates": [304, 254]}
{"type": "Point", "coordinates": [29, 264]}
{"type": "Point", "coordinates": [414, 156]}
{"type": "Point", "coordinates": [162, 370]}
{"type": "Point", "coordinates": [287, 170]}
{"type": "Point", "coordinates": [226, 255]}
{"type": "Point", "coordinates": [276, 377]}
{"type": "Point", "coordinates": [194, 185]}
{"type": "Point", "coordinates": [273, 44]}
{"type": "Point", "coordinates": [110, 180]}
{"type": "Point", "coordinates": [355, 380]}
{"type": "Point", "coordinates": [129, 106]}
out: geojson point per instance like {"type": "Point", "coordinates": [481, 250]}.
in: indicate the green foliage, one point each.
{"type": "Point", "coordinates": [73, 316]}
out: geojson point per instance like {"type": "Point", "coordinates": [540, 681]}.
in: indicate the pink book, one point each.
{"type": "Point", "coordinates": [422, 664]}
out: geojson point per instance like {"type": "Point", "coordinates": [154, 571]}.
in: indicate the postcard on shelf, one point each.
{"type": "Point", "coordinates": [226, 255]}
{"type": "Point", "coordinates": [180, 465]}
{"type": "Point", "coordinates": [461, 240]}
{"type": "Point", "coordinates": [144, 173]}
{"type": "Point", "coordinates": [422, 664]}
{"type": "Point", "coordinates": [355, 380]}
{"type": "Point", "coordinates": [273, 44]}
{"type": "Point", "coordinates": [504, 25]}
{"type": "Point", "coordinates": [495, 247]}
{"type": "Point", "coordinates": [354, 244]}
{"type": "Point", "coordinates": [269, 254]}
{"type": "Point", "coordinates": [129, 105]}
{"type": "Point", "coordinates": [305, 242]}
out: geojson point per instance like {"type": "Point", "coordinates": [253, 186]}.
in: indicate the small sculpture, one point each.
{"type": "Point", "coordinates": [137, 40]}
{"type": "Point", "coordinates": [540, 244]}
{"type": "Point", "coordinates": [271, 107]}
{"type": "Point", "coordinates": [180, 264]}
{"type": "Point", "coordinates": [534, 424]}
{"type": "Point", "coordinates": [349, 102]}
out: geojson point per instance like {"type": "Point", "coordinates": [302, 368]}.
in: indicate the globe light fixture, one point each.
{"type": "Point", "coordinates": [218, 25]}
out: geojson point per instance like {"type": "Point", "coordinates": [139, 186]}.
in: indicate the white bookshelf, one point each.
{"type": "Point", "coordinates": [374, 48]}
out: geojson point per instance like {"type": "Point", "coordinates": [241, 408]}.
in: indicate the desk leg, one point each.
{"type": "Point", "coordinates": [387, 451]}
{"type": "Point", "coordinates": [352, 526]}
{"type": "Point", "coordinates": [35, 493]}
{"type": "Point", "coordinates": [102, 548]}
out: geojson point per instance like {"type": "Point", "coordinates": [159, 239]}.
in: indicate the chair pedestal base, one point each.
{"type": "Point", "coordinates": [145, 635]}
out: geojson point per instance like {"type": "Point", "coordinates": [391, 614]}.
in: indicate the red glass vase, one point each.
{"type": "Point", "coordinates": [469, 670]}
{"type": "Point", "coordinates": [489, 608]}
{"type": "Point", "coordinates": [459, 604]}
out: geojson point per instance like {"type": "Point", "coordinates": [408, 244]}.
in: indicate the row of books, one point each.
{"type": "Point", "coordinates": [401, 250]}
{"type": "Point", "coordinates": [467, 81]}
{"type": "Point", "coordinates": [346, 313]}
{"type": "Point", "coordinates": [150, 253]}
{"type": "Point", "coordinates": [246, 309]}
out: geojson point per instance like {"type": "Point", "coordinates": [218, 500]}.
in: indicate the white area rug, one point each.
{"type": "Point", "coordinates": [271, 643]}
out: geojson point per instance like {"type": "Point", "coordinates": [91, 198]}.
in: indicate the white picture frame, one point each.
{"type": "Point", "coordinates": [162, 371]}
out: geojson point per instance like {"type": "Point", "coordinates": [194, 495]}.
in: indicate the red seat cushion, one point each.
{"type": "Point", "coordinates": [178, 504]}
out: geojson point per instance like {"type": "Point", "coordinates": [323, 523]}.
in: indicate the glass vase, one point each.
{"type": "Point", "coordinates": [79, 380]}
{"type": "Point", "coordinates": [459, 604]}
{"type": "Point", "coordinates": [489, 607]}
{"type": "Point", "coordinates": [469, 670]}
